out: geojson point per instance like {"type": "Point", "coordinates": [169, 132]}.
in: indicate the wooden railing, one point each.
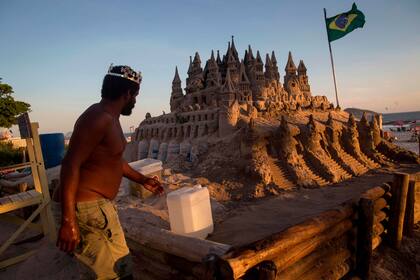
{"type": "Point", "coordinates": [334, 244]}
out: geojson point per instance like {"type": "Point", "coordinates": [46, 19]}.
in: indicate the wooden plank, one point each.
{"type": "Point", "coordinates": [239, 260]}
{"type": "Point", "coordinates": [14, 167]}
{"type": "Point", "coordinates": [4, 200]}
{"type": "Point", "coordinates": [24, 195]}
{"type": "Point", "coordinates": [7, 207]}
{"type": "Point", "coordinates": [409, 212]}
{"type": "Point", "coordinates": [34, 193]}
{"type": "Point", "coordinates": [34, 169]}
{"type": "Point", "coordinates": [364, 237]}
{"type": "Point", "coordinates": [398, 205]}
{"type": "Point", "coordinates": [46, 215]}
{"type": "Point", "coordinates": [15, 198]}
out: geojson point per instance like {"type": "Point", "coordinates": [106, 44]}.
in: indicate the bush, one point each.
{"type": "Point", "coordinates": [10, 155]}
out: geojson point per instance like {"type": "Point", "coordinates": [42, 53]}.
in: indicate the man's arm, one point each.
{"type": "Point", "coordinates": [149, 183]}
{"type": "Point", "coordinates": [87, 134]}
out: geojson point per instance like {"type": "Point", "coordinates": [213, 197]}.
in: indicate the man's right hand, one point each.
{"type": "Point", "coordinates": [68, 237]}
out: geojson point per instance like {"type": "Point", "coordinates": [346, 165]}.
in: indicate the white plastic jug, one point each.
{"type": "Point", "coordinates": [190, 211]}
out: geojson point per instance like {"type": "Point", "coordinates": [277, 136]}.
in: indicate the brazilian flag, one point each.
{"type": "Point", "coordinates": [342, 24]}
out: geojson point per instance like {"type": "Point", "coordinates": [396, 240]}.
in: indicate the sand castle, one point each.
{"type": "Point", "coordinates": [238, 120]}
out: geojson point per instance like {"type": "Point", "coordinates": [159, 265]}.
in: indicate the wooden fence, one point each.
{"type": "Point", "coordinates": [331, 245]}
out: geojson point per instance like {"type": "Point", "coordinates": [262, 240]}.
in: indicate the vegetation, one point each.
{"type": "Point", "coordinates": [10, 155]}
{"type": "Point", "coordinates": [9, 107]}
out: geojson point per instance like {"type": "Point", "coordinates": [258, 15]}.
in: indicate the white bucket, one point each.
{"type": "Point", "coordinates": [190, 211]}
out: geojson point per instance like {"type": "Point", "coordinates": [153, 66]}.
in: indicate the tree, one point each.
{"type": "Point", "coordinates": [9, 107]}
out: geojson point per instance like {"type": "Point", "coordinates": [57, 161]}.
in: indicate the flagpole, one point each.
{"type": "Point", "coordinates": [332, 61]}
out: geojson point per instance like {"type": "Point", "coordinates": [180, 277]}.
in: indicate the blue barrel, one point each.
{"type": "Point", "coordinates": [52, 145]}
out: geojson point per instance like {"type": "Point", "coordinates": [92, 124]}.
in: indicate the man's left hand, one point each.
{"type": "Point", "coordinates": [154, 186]}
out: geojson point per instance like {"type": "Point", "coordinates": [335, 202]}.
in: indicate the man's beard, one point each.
{"type": "Point", "coordinates": [126, 111]}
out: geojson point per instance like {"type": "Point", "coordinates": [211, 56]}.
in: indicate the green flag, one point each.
{"type": "Point", "coordinates": [342, 24]}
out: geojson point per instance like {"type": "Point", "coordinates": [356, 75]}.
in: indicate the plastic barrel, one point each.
{"type": "Point", "coordinates": [52, 145]}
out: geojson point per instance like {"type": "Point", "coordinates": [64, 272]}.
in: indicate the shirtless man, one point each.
{"type": "Point", "coordinates": [91, 174]}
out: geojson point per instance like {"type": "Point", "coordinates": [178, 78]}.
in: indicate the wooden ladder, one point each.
{"type": "Point", "coordinates": [39, 196]}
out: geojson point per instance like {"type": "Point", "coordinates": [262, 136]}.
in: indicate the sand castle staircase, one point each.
{"type": "Point", "coordinates": [370, 162]}
{"type": "Point", "coordinates": [351, 161]}
{"type": "Point", "coordinates": [336, 168]}
{"type": "Point", "coordinates": [311, 174]}
{"type": "Point", "coordinates": [39, 196]}
{"type": "Point", "coordinates": [281, 176]}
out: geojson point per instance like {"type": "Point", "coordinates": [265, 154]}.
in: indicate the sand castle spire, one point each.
{"type": "Point", "coordinates": [301, 67]}
{"type": "Point", "coordinates": [273, 58]}
{"type": "Point", "coordinates": [268, 61]}
{"type": "Point", "coordinates": [234, 51]}
{"type": "Point", "coordinates": [290, 65]}
{"type": "Point", "coordinates": [242, 74]}
{"type": "Point", "coordinates": [228, 86]}
{"type": "Point", "coordinates": [176, 79]}
{"type": "Point", "coordinates": [218, 60]}
{"type": "Point", "coordinates": [190, 66]}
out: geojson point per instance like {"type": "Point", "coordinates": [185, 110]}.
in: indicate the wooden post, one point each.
{"type": "Point", "coordinates": [411, 202]}
{"type": "Point", "coordinates": [364, 237]}
{"type": "Point", "coordinates": [267, 271]}
{"type": "Point", "coordinates": [398, 205]}
{"type": "Point", "coordinates": [210, 267]}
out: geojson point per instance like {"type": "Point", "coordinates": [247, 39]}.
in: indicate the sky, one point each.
{"type": "Point", "coordinates": [55, 53]}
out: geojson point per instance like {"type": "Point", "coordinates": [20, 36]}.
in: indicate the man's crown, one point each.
{"type": "Point", "coordinates": [125, 72]}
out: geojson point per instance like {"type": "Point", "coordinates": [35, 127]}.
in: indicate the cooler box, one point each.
{"type": "Point", "coordinates": [190, 211]}
{"type": "Point", "coordinates": [148, 167]}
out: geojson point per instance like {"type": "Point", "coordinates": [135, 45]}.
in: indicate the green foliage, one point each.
{"type": "Point", "coordinates": [10, 155]}
{"type": "Point", "coordinates": [9, 107]}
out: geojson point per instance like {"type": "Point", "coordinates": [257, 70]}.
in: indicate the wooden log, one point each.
{"type": "Point", "coordinates": [386, 187]}
{"type": "Point", "coordinates": [379, 217]}
{"type": "Point", "coordinates": [338, 272]}
{"type": "Point", "coordinates": [388, 198]}
{"type": "Point", "coordinates": [364, 238]}
{"type": "Point", "coordinates": [239, 260]}
{"type": "Point", "coordinates": [378, 229]}
{"type": "Point", "coordinates": [292, 255]}
{"type": "Point", "coordinates": [159, 270]}
{"type": "Point", "coordinates": [267, 271]}
{"type": "Point", "coordinates": [178, 263]}
{"type": "Point", "coordinates": [409, 211]}
{"type": "Point", "coordinates": [379, 205]}
{"type": "Point", "coordinates": [189, 248]}
{"type": "Point", "coordinates": [374, 193]}
{"type": "Point", "coordinates": [305, 264]}
{"type": "Point", "coordinates": [327, 266]}
{"type": "Point", "coordinates": [398, 205]}
{"type": "Point", "coordinates": [376, 241]}
{"type": "Point", "coordinates": [210, 267]}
